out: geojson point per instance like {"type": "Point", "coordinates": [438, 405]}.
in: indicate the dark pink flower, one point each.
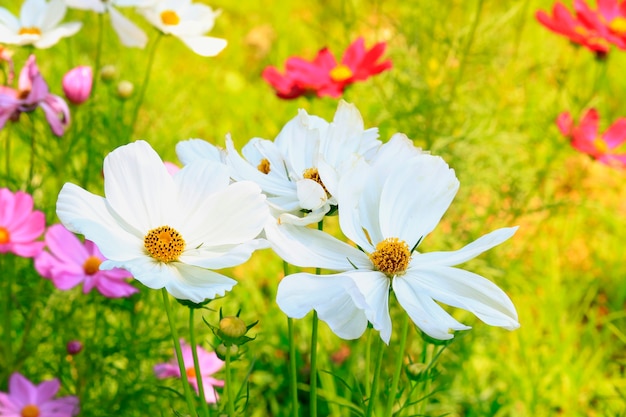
{"type": "Point", "coordinates": [20, 226]}
{"type": "Point", "coordinates": [325, 76]}
{"type": "Point", "coordinates": [33, 92]}
{"type": "Point", "coordinates": [26, 399]}
{"type": "Point", "coordinates": [585, 137]}
{"type": "Point", "coordinates": [70, 262]}
{"type": "Point", "coordinates": [77, 84]}
{"type": "Point", "coordinates": [209, 364]}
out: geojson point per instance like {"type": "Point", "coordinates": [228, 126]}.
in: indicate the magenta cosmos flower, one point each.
{"type": "Point", "coordinates": [325, 76]}
{"type": "Point", "coordinates": [26, 399]}
{"type": "Point", "coordinates": [20, 226]}
{"type": "Point", "coordinates": [209, 364]}
{"type": "Point", "coordinates": [585, 137]}
{"type": "Point", "coordinates": [70, 262]}
{"type": "Point", "coordinates": [77, 84]}
{"type": "Point", "coordinates": [33, 92]}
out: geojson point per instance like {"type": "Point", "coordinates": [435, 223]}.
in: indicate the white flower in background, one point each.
{"type": "Point", "coordinates": [129, 33]}
{"type": "Point", "coordinates": [387, 210]}
{"type": "Point", "coordinates": [191, 150]}
{"type": "Point", "coordinates": [167, 230]}
{"type": "Point", "coordinates": [187, 21]}
{"type": "Point", "coordinates": [37, 25]}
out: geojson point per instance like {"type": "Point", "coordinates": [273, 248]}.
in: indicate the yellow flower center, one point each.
{"type": "Point", "coordinates": [92, 265]}
{"type": "Point", "coordinates": [618, 25]}
{"type": "Point", "coordinates": [264, 166]}
{"type": "Point", "coordinates": [191, 372]}
{"type": "Point", "coordinates": [391, 256]}
{"type": "Point", "coordinates": [313, 174]}
{"type": "Point", "coordinates": [600, 145]}
{"type": "Point", "coordinates": [164, 244]}
{"type": "Point", "coordinates": [5, 236]}
{"type": "Point", "coordinates": [341, 73]}
{"type": "Point", "coordinates": [30, 410]}
{"type": "Point", "coordinates": [169, 17]}
{"type": "Point", "coordinates": [29, 31]}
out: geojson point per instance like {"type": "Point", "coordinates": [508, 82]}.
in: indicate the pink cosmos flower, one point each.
{"type": "Point", "coordinates": [77, 84]}
{"type": "Point", "coordinates": [33, 92]}
{"type": "Point", "coordinates": [325, 76]}
{"type": "Point", "coordinates": [209, 364]}
{"type": "Point", "coordinates": [20, 226]}
{"type": "Point", "coordinates": [69, 262]}
{"type": "Point", "coordinates": [585, 137]}
{"type": "Point", "coordinates": [26, 399]}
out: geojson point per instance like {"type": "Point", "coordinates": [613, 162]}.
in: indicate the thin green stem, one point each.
{"type": "Point", "coordinates": [404, 331]}
{"type": "Point", "coordinates": [196, 365]}
{"type": "Point", "coordinates": [230, 404]}
{"type": "Point", "coordinates": [368, 357]}
{"type": "Point", "coordinates": [293, 375]}
{"type": "Point", "coordinates": [31, 170]}
{"type": "Point", "coordinates": [374, 393]}
{"type": "Point", "coordinates": [8, 279]}
{"type": "Point", "coordinates": [179, 354]}
{"type": "Point", "coordinates": [7, 151]}
{"type": "Point", "coordinates": [313, 383]}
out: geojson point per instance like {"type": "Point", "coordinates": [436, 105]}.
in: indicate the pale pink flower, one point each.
{"type": "Point", "coordinates": [20, 226]}
{"type": "Point", "coordinates": [208, 362]}
{"type": "Point", "coordinates": [77, 84]}
{"type": "Point", "coordinates": [27, 399]}
{"type": "Point", "coordinates": [70, 262]}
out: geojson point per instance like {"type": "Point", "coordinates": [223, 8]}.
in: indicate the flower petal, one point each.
{"type": "Point", "coordinates": [204, 45]}
{"type": "Point", "coordinates": [374, 286]}
{"type": "Point", "coordinates": [129, 33]}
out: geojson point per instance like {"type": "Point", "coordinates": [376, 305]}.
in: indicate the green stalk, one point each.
{"type": "Point", "coordinates": [179, 354]}
{"type": "Point", "coordinates": [368, 357]}
{"type": "Point", "coordinates": [293, 375]}
{"type": "Point", "coordinates": [374, 394]}
{"type": "Point", "coordinates": [313, 384]}
{"type": "Point", "coordinates": [229, 386]}
{"type": "Point", "coordinates": [399, 359]}
{"type": "Point", "coordinates": [7, 151]}
{"type": "Point", "coordinates": [196, 365]}
{"type": "Point", "coordinates": [31, 170]}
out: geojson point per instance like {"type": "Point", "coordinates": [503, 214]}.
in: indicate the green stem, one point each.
{"type": "Point", "coordinates": [144, 85]}
{"type": "Point", "coordinates": [374, 394]}
{"type": "Point", "coordinates": [313, 383]}
{"type": "Point", "coordinates": [229, 385]}
{"type": "Point", "coordinates": [179, 354]}
{"type": "Point", "coordinates": [293, 375]}
{"type": "Point", "coordinates": [7, 151]}
{"type": "Point", "coordinates": [399, 360]}
{"type": "Point", "coordinates": [196, 365]}
{"type": "Point", "coordinates": [31, 170]}
{"type": "Point", "coordinates": [368, 357]}
{"type": "Point", "coordinates": [8, 339]}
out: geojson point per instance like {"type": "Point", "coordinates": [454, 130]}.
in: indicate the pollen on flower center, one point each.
{"type": "Point", "coordinates": [341, 73]}
{"type": "Point", "coordinates": [191, 372]}
{"type": "Point", "coordinates": [170, 17]}
{"type": "Point", "coordinates": [164, 244]}
{"type": "Point", "coordinates": [391, 256]}
{"type": "Point", "coordinates": [30, 410]}
{"type": "Point", "coordinates": [313, 174]}
{"type": "Point", "coordinates": [618, 25]}
{"type": "Point", "coordinates": [600, 145]}
{"type": "Point", "coordinates": [264, 166]}
{"type": "Point", "coordinates": [5, 236]}
{"type": "Point", "coordinates": [92, 265]}
{"type": "Point", "coordinates": [29, 31]}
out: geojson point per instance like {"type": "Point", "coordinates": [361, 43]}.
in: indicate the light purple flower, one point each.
{"type": "Point", "coordinates": [20, 225]}
{"type": "Point", "coordinates": [69, 262]}
{"type": "Point", "coordinates": [77, 84]}
{"type": "Point", "coordinates": [27, 399]}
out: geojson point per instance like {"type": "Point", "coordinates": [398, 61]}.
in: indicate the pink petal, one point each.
{"type": "Point", "coordinates": [166, 370]}
{"type": "Point", "coordinates": [616, 134]}
{"type": "Point", "coordinates": [22, 390]}
{"type": "Point", "coordinates": [46, 390]}
{"type": "Point", "coordinates": [65, 245]}
{"type": "Point", "coordinates": [354, 54]}
{"type": "Point", "coordinates": [564, 122]}
{"type": "Point", "coordinates": [30, 229]}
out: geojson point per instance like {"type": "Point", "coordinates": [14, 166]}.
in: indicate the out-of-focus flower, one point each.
{"type": "Point", "coordinates": [125, 89]}
{"type": "Point", "coordinates": [585, 137]}
{"type": "Point", "coordinates": [74, 347]}
{"type": "Point", "coordinates": [33, 92]}
{"type": "Point", "coordinates": [208, 363]}
{"type": "Point", "coordinates": [325, 76]}
{"type": "Point", "coordinates": [26, 399]}
{"type": "Point", "coordinates": [168, 230]}
{"type": "Point", "coordinates": [108, 73]}
{"type": "Point", "coordinates": [20, 226]}
{"type": "Point", "coordinates": [69, 263]}
{"type": "Point", "coordinates": [128, 33]}
{"type": "Point", "coordinates": [386, 209]}
{"type": "Point", "coordinates": [6, 55]}
{"type": "Point", "coordinates": [38, 24]}
{"type": "Point", "coordinates": [77, 84]}
{"type": "Point", "coordinates": [612, 14]}
{"type": "Point", "coordinates": [187, 21]}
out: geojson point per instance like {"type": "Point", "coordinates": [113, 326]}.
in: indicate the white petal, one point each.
{"type": "Point", "coordinates": [204, 45]}
{"type": "Point", "coordinates": [93, 5]}
{"type": "Point", "coordinates": [425, 313]}
{"type": "Point", "coordinates": [7, 19]}
{"type": "Point", "coordinates": [335, 298]}
{"type": "Point", "coordinates": [53, 36]}
{"type": "Point", "coordinates": [299, 142]}
{"type": "Point", "coordinates": [224, 256]}
{"type": "Point", "coordinates": [129, 33]}
{"type": "Point", "coordinates": [198, 284]}
{"type": "Point", "coordinates": [466, 290]}
{"type": "Point", "coordinates": [310, 194]}
{"type": "Point", "coordinates": [296, 217]}
{"type": "Point", "coordinates": [396, 152]}
{"type": "Point", "coordinates": [374, 286]}
{"type": "Point", "coordinates": [466, 253]}
{"type": "Point", "coordinates": [194, 149]}
{"type": "Point", "coordinates": [54, 14]}
{"type": "Point", "coordinates": [31, 12]}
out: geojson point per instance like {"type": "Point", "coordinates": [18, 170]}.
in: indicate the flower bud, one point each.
{"type": "Point", "coordinates": [232, 327]}
{"type": "Point", "coordinates": [77, 84]}
{"type": "Point", "coordinates": [108, 73]}
{"type": "Point", "coordinates": [125, 89]}
{"type": "Point", "coordinates": [222, 350]}
{"type": "Point", "coordinates": [74, 347]}
{"type": "Point", "coordinates": [416, 371]}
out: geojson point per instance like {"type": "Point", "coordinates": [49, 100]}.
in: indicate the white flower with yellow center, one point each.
{"type": "Point", "coordinates": [168, 231]}
{"type": "Point", "coordinates": [387, 209]}
{"type": "Point", "coordinates": [187, 21]}
{"type": "Point", "coordinates": [37, 25]}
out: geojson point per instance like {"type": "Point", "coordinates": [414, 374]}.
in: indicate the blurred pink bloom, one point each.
{"type": "Point", "coordinates": [20, 226]}
{"type": "Point", "coordinates": [69, 262]}
{"type": "Point", "coordinates": [585, 137]}
{"type": "Point", "coordinates": [26, 399]}
{"type": "Point", "coordinates": [324, 76]}
{"type": "Point", "coordinates": [33, 92]}
{"type": "Point", "coordinates": [77, 84]}
{"type": "Point", "coordinates": [6, 55]}
{"type": "Point", "coordinates": [209, 364]}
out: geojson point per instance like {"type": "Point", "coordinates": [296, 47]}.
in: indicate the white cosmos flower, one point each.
{"type": "Point", "coordinates": [187, 21]}
{"type": "Point", "coordinates": [387, 210]}
{"type": "Point", "coordinates": [128, 32]}
{"type": "Point", "coordinates": [38, 24]}
{"type": "Point", "coordinates": [168, 230]}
